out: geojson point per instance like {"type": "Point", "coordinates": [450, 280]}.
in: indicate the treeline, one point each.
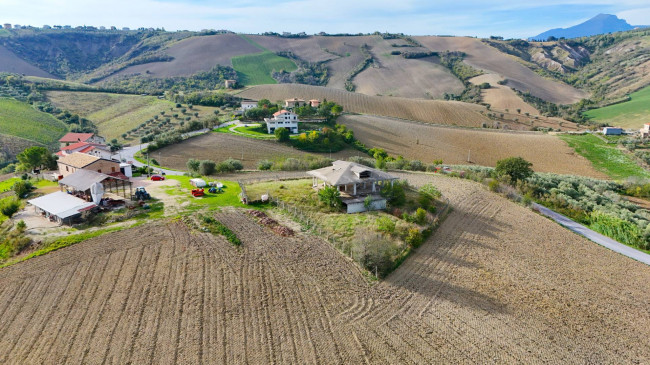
{"type": "Point", "coordinates": [308, 73]}
{"type": "Point", "coordinates": [75, 123]}
{"type": "Point", "coordinates": [326, 140]}
{"type": "Point", "coordinates": [367, 61]}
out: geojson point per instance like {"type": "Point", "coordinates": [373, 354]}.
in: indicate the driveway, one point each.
{"type": "Point", "coordinates": [594, 236]}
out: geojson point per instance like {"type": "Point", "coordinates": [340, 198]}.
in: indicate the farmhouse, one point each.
{"type": "Point", "coordinates": [93, 149]}
{"type": "Point", "coordinates": [73, 162]}
{"type": "Point", "coordinates": [315, 103]}
{"type": "Point", "coordinates": [71, 138]}
{"type": "Point", "coordinates": [61, 207]}
{"type": "Point", "coordinates": [292, 103]}
{"type": "Point", "coordinates": [81, 184]}
{"type": "Point", "coordinates": [611, 131]}
{"type": "Point", "coordinates": [282, 118]}
{"type": "Point", "coordinates": [248, 104]}
{"type": "Point", "coordinates": [356, 183]}
{"type": "Point", "coordinates": [230, 83]}
{"type": "Point", "coordinates": [645, 131]}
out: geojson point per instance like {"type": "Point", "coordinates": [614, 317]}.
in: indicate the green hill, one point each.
{"type": "Point", "coordinates": [630, 114]}
{"type": "Point", "coordinates": [21, 120]}
{"type": "Point", "coordinates": [256, 68]}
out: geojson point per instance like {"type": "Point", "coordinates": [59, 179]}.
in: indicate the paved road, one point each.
{"type": "Point", "coordinates": [594, 236]}
{"type": "Point", "coordinates": [128, 153]}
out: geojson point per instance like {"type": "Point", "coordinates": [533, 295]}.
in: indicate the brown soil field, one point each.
{"type": "Point", "coordinates": [309, 49]}
{"type": "Point", "coordinates": [429, 111]}
{"type": "Point", "coordinates": [195, 54]}
{"type": "Point", "coordinates": [519, 76]}
{"type": "Point", "coordinates": [496, 283]}
{"type": "Point", "coordinates": [9, 62]}
{"type": "Point", "coordinates": [220, 146]}
{"type": "Point", "coordinates": [427, 143]}
{"type": "Point", "coordinates": [501, 97]}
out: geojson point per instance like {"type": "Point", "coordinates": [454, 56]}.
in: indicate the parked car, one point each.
{"type": "Point", "coordinates": [157, 178]}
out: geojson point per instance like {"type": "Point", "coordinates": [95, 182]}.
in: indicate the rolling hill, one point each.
{"type": "Point", "coordinates": [20, 120]}
{"type": "Point", "coordinates": [629, 114]}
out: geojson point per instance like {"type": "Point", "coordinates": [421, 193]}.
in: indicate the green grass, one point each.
{"type": "Point", "coordinates": [256, 68]}
{"type": "Point", "coordinates": [249, 132]}
{"type": "Point", "coordinates": [7, 184]}
{"type": "Point", "coordinates": [229, 196]}
{"type": "Point", "coordinates": [605, 157]}
{"type": "Point", "coordinates": [630, 114]}
{"type": "Point", "coordinates": [21, 120]}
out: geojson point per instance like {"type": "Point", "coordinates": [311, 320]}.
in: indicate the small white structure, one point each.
{"type": "Point", "coordinates": [358, 184]}
{"type": "Point", "coordinates": [61, 207]}
{"type": "Point", "coordinates": [199, 183]}
{"type": "Point", "coordinates": [293, 103]}
{"type": "Point", "coordinates": [315, 103]}
{"type": "Point", "coordinates": [284, 119]}
{"type": "Point", "coordinates": [645, 131]}
{"type": "Point", "coordinates": [612, 131]}
{"type": "Point", "coordinates": [248, 104]}
{"type": "Point", "coordinates": [126, 169]}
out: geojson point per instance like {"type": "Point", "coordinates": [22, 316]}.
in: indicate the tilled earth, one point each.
{"type": "Point", "coordinates": [495, 284]}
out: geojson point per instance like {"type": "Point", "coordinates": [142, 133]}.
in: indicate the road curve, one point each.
{"type": "Point", "coordinates": [594, 236]}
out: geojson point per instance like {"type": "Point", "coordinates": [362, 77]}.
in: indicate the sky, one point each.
{"type": "Point", "coordinates": [507, 18]}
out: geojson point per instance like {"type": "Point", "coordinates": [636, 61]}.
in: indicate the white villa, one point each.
{"type": "Point", "coordinates": [248, 104]}
{"type": "Point", "coordinates": [356, 183]}
{"type": "Point", "coordinates": [282, 118]}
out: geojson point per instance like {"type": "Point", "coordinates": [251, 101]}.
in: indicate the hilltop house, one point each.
{"type": "Point", "coordinates": [356, 183]}
{"type": "Point", "coordinates": [282, 118]}
{"type": "Point", "coordinates": [315, 103]}
{"type": "Point", "coordinates": [645, 131]}
{"type": "Point", "coordinates": [71, 138]}
{"type": "Point", "coordinates": [293, 103]}
{"type": "Point", "coordinates": [69, 164]}
{"type": "Point", "coordinates": [93, 149]}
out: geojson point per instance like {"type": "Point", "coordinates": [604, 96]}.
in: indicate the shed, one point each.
{"type": "Point", "coordinates": [81, 181]}
{"type": "Point", "coordinates": [199, 183]}
{"type": "Point", "coordinates": [612, 131]}
{"type": "Point", "coordinates": [61, 207]}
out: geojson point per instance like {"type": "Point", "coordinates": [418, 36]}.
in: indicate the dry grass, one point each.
{"type": "Point", "coordinates": [220, 146]}
{"type": "Point", "coordinates": [452, 145]}
{"type": "Point", "coordinates": [501, 97]}
{"type": "Point", "coordinates": [495, 284]}
{"type": "Point", "coordinates": [9, 62]}
{"type": "Point", "coordinates": [519, 76]}
{"type": "Point", "coordinates": [429, 111]}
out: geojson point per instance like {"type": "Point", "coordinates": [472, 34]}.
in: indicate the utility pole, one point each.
{"type": "Point", "coordinates": [148, 173]}
{"type": "Point", "coordinates": [469, 153]}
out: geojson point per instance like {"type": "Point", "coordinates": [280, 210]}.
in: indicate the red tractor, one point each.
{"type": "Point", "coordinates": [198, 192]}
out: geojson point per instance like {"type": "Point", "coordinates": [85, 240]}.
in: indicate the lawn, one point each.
{"type": "Point", "coordinates": [605, 157]}
{"type": "Point", "coordinates": [256, 68]}
{"type": "Point", "coordinates": [250, 132]}
{"type": "Point", "coordinates": [229, 196]}
{"type": "Point", "coordinates": [630, 114]}
{"type": "Point", "coordinates": [21, 120]}
{"type": "Point", "coordinates": [7, 184]}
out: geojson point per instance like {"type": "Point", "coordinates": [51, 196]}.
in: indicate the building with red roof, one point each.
{"type": "Point", "coordinates": [71, 138]}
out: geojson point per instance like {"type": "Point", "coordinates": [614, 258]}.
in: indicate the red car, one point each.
{"type": "Point", "coordinates": [157, 178]}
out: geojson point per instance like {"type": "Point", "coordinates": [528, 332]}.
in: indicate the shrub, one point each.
{"type": "Point", "coordinates": [330, 195]}
{"type": "Point", "coordinates": [375, 253]}
{"type": "Point", "coordinates": [282, 134]}
{"type": "Point", "coordinates": [193, 165]}
{"type": "Point", "coordinates": [431, 191]}
{"type": "Point", "coordinates": [264, 165]}
{"type": "Point", "coordinates": [22, 188]}
{"type": "Point", "coordinates": [363, 161]}
{"type": "Point", "coordinates": [420, 216]}
{"type": "Point", "coordinates": [21, 226]}
{"type": "Point", "coordinates": [207, 167]}
{"type": "Point", "coordinates": [516, 168]}
{"type": "Point", "coordinates": [385, 225]}
{"type": "Point", "coordinates": [8, 207]}
{"type": "Point", "coordinates": [415, 165]}
{"type": "Point", "coordinates": [413, 237]}
{"type": "Point", "coordinates": [493, 185]}
{"type": "Point", "coordinates": [394, 193]}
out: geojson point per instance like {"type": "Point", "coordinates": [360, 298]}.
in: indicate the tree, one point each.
{"type": "Point", "coordinates": [282, 134]}
{"type": "Point", "coordinates": [330, 195]}
{"type": "Point", "coordinates": [516, 168]}
{"type": "Point", "coordinates": [22, 188]}
{"type": "Point", "coordinates": [193, 165]}
{"type": "Point", "coordinates": [337, 109]}
{"type": "Point", "coordinates": [207, 167]}
{"type": "Point", "coordinates": [36, 157]}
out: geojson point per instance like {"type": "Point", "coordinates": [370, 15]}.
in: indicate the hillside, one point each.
{"type": "Point", "coordinates": [629, 114]}
{"type": "Point", "coordinates": [19, 119]}
{"type": "Point", "coordinates": [429, 111]}
{"type": "Point", "coordinates": [600, 24]}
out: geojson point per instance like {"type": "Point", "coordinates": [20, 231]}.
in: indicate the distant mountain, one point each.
{"type": "Point", "coordinates": [600, 24]}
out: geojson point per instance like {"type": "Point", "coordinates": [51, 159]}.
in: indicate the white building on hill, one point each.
{"type": "Point", "coordinates": [282, 118]}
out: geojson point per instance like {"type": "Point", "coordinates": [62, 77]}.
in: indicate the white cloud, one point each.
{"type": "Point", "coordinates": [636, 16]}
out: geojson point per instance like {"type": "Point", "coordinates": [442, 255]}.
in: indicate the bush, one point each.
{"type": "Point", "coordinates": [385, 225]}
{"type": "Point", "coordinates": [370, 162]}
{"type": "Point", "coordinates": [22, 188]}
{"type": "Point", "coordinates": [413, 237]}
{"type": "Point", "coordinates": [394, 193]}
{"type": "Point", "coordinates": [9, 207]}
{"type": "Point", "coordinates": [207, 167]}
{"type": "Point", "coordinates": [282, 134]}
{"type": "Point", "coordinates": [330, 195]}
{"type": "Point", "coordinates": [264, 165]}
{"type": "Point", "coordinates": [516, 168]}
{"type": "Point", "coordinates": [193, 165]}
{"type": "Point", "coordinates": [420, 216]}
{"type": "Point", "coordinates": [375, 253]}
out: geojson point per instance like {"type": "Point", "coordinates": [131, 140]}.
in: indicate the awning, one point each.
{"type": "Point", "coordinates": [62, 205]}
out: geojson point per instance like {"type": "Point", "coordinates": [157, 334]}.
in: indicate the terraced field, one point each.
{"type": "Point", "coordinates": [495, 284]}
{"type": "Point", "coordinates": [19, 119]}
{"type": "Point", "coordinates": [429, 111]}
{"type": "Point", "coordinates": [453, 145]}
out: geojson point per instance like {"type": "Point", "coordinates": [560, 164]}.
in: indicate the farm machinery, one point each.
{"type": "Point", "coordinates": [198, 192]}
{"type": "Point", "coordinates": [140, 194]}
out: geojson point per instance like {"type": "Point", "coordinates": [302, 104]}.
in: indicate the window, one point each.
{"type": "Point", "coordinates": [99, 170]}
{"type": "Point", "coordinates": [66, 168]}
{"type": "Point", "coordinates": [112, 169]}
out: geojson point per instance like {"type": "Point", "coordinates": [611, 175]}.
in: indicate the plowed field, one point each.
{"type": "Point", "coordinates": [495, 284]}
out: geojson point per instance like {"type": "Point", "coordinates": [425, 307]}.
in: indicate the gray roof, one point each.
{"type": "Point", "coordinates": [60, 204]}
{"type": "Point", "coordinates": [82, 180]}
{"type": "Point", "coordinates": [344, 172]}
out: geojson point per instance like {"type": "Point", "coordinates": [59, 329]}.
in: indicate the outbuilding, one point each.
{"type": "Point", "coordinates": [612, 131]}
{"type": "Point", "coordinates": [61, 207]}
{"type": "Point", "coordinates": [199, 183]}
{"type": "Point", "coordinates": [81, 182]}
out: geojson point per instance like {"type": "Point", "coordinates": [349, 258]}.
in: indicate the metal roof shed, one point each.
{"type": "Point", "coordinates": [82, 180]}
{"type": "Point", "coordinates": [61, 205]}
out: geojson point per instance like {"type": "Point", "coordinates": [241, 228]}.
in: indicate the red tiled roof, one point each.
{"type": "Point", "coordinates": [85, 150]}
{"type": "Point", "coordinates": [60, 153]}
{"type": "Point", "coordinates": [279, 112]}
{"type": "Point", "coordinates": [74, 146]}
{"type": "Point", "coordinates": [119, 175]}
{"type": "Point", "coordinates": [76, 137]}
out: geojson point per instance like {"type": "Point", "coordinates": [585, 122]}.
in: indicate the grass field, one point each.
{"type": "Point", "coordinates": [21, 120]}
{"type": "Point", "coordinates": [256, 68]}
{"type": "Point", "coordinates": [605, 158]}
{"type": "Point", "coordinates": [630, 114]}
{"type": "Point", "coordinates": [229, 196]}
{"type": "Point", "coordinates": [115, 114]}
